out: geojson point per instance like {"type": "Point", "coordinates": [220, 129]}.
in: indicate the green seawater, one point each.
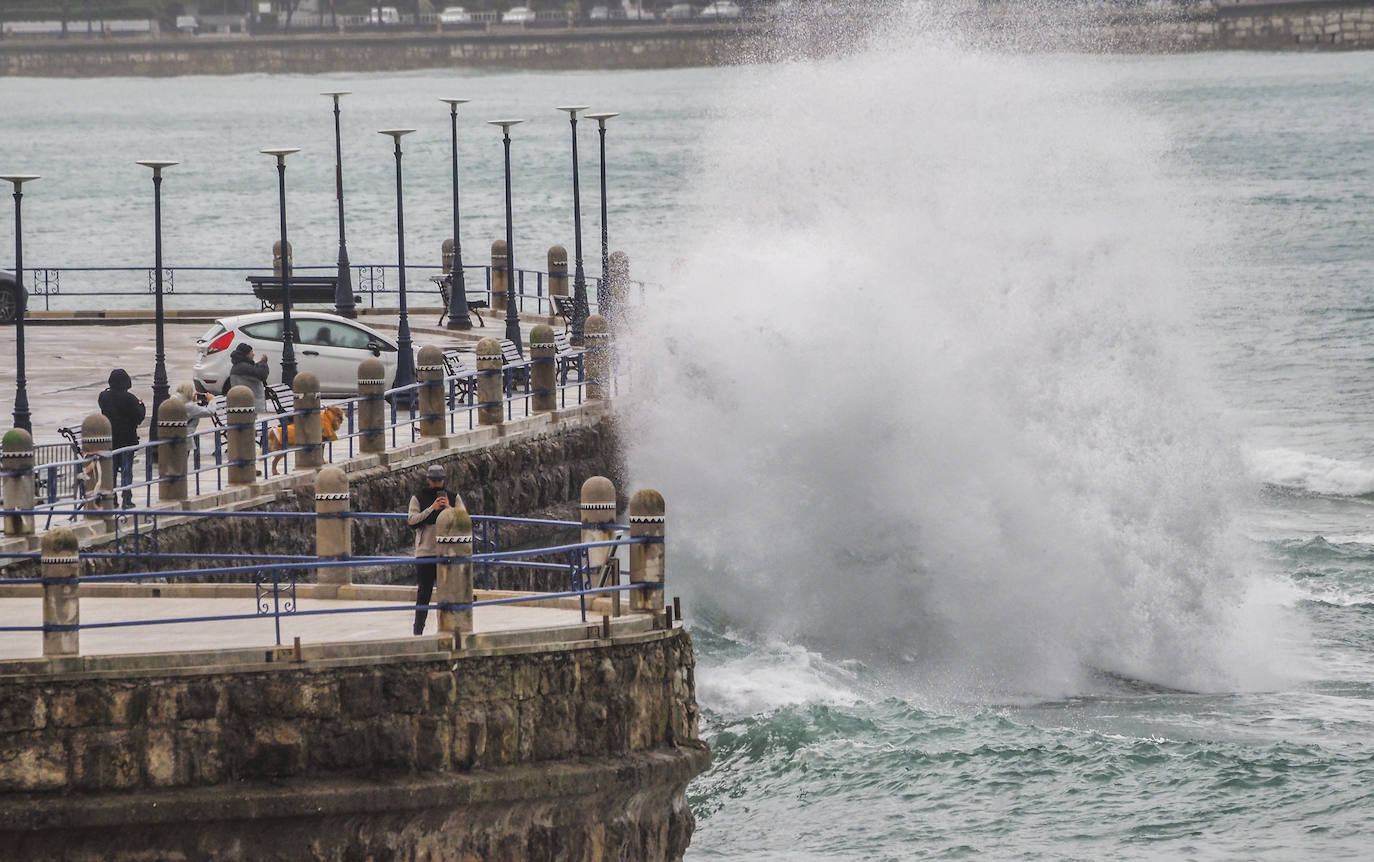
{"type": "Point", "coordinates": [1012, 411]}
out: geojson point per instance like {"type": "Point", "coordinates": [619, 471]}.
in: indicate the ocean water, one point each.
{"type": "Point", "coordinates": [1012, 411]}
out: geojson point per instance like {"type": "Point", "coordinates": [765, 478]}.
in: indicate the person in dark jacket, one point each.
{"type": "Point", "coordinates": [125, 412]}
{"type": "Point", "coordinates": [246, 372]}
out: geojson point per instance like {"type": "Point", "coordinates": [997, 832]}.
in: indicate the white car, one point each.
{"type": "Point", "coordinates": [454, 15]}
{"type": "Point", "coordinates": [719, 9]}
{"type": "Point", "coordinates": [518, 15]}
{"type": "Point", "coordinates": [383, 15]}
{"type": "Point", "coordinates": [326, 344]}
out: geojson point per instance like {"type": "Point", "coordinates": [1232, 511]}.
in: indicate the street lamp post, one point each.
{"type": "Point", "coordinates": [603, 287]}
{"type": "Point", "coordinates": [160, 355]}
{"type": "Point", "coordinates": [458, 316]}
{"type": "Point", "coordinates": [580, 309]}
{"type": "Point", "coordinates": [343, 287]}
{"type": "Point", "coordinates": [512, 314]}
{"type": "Point", "coordinates": [405, 361]}
{"type": "Point", "coordinates": [288, 351]}
{"type": "Point", "coordinates": [21, 384]}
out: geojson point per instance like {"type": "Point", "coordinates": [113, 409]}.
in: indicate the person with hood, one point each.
{"type": "Point", "coordinates": [125, 412]}
{"type": "Point", "coordinates": [246, 372]}
{"type": "Point", "coordinates": [425, 506]}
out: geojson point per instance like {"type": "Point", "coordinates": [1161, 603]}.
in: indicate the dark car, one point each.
{"type": "Point", "coordinates": [11, 298]}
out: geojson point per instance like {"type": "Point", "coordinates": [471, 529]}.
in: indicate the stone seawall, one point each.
{"type": "Point", "coordinates": [589, 48]}
{"type": "Point", "coordinates": [1220, 25]}
{"type": "Point", "coordinates": [580, 752]}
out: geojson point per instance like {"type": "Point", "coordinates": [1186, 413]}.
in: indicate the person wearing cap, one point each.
{"type": "Point", "coordinates": [425, 507]}
{"type": "Point", "coordinates": [246, 372]}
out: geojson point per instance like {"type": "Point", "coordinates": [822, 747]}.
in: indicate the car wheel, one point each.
{"type": "Point", "coordinates": [9, 302]}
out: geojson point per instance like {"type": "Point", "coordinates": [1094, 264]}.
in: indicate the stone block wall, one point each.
{"type": "Point", "coordinates": [161, 759]}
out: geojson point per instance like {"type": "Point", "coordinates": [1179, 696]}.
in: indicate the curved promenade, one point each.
{"type": "Point", "coordinates": [530, 725]}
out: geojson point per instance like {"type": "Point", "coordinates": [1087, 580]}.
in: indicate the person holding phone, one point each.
{"type": "Point", "coordinates": [425, 507]}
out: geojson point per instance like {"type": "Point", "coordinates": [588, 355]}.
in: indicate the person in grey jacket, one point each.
{"type": "Point", "coordinates": [246, 372]}
{"type": "Point", "coordinates": [425, 507]}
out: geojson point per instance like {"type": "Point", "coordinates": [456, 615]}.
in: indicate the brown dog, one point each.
{"type": "Point", "coordinates": [330, 419]}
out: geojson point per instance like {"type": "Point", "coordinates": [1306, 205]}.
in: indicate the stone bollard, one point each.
{"type": "Point", "coordinates": [598, 339]}
{"type": "Point", "coordinates": [429, 370]}
{"type": "Point", "coordinates": [454, 583]}
{"type": "Point", "coordinates": [309, 434]}
{"type": "Point", "coordinates": [499, 260]}
{"type": "Point", "coordinates": [371, 407]}
{"type": "Point", "coordinates": [446, 253]}
{"type": "Point", "coordinates": [333, 535]}
{"type": "Point", "coordinates": [276, 257]}
{"type": "Point", "coordinates": [558, 276]}
{"type": "Point", "coordinates": [618, 273]}
{"type": "Point", "coordinates": [597, 509]}
{"type": "Point", "coordinates": [171, 450]}
{"type": "Point", "coordinates": [16, 463]}
{"type": "Point", "coordinates": [59, 565]}
{"type": "Point", "coordinates": [240, 435]}
{"type": "Point", "coordinates": [96, 439]}
{"type": "Point", "coordinates": [543, 373]}
{"type": "Point", "coordinates": [646, 560]}
{"type": "Point", "coordinates": [490, 403]}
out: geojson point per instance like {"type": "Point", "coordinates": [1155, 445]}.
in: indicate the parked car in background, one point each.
{"type": "Point", "coordinates": [327, 345]}
{"type": "Point", "coordinates": [188, 24]}
{"type": "Point", "coordinates": [599, 13]}
{"type": "Point", "coordinates": [455, 15]}
{"type": "Point", "coordinates": [679, 11]}
{"type": "Point", "coordinates": [518, 15]}
{"type": "Point", "coordinates": [383, 15]}
{"type": "Point", "coordinates": [719, 9]}
{"type": "Point", "coordinates": [11, 298]}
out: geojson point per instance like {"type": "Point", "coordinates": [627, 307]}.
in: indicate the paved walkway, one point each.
{"type": "Point", "coordinates": [236, 634]}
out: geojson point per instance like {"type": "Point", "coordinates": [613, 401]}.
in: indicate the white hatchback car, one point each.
{"type": "Point", "coordinates": [720, 9]}
{"type": "Point", "coordinates": [518, 15]}
{"type": "Point", "coordinates": [455, 15]}
{"type": "Point", "coordinates": [327, 345]}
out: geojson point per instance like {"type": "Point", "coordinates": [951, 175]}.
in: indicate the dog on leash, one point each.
{"type": "Point", "coordinates": [330, 419]}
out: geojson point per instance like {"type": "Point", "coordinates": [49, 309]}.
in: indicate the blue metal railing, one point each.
{"type": "Point", "coordinates": [54, 283]}
{"type": "Point", "coordinates": [280, 597]}
{"type": "Point", "coordinates": [207, 456]}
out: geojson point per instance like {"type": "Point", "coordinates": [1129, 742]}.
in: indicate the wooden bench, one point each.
{"type": "Point", "coordinates": [563, 306]}
{"type": "Point", "coordinates": [445, 283]}
{"type": "Point", "coordinates": [568, 356]}
{"type": "Point", "coordinates": [455, 365]}
{"type": "Point", "coordinates": [320, 289]}
{"type": "Point", "coordinates": [517, 367]}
